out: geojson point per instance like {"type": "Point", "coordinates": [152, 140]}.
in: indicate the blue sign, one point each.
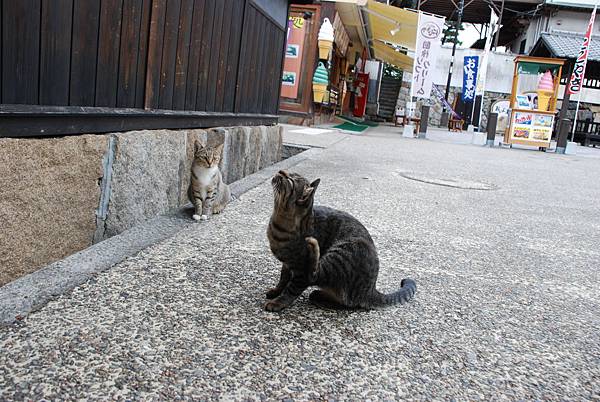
{"type": "Point", "coordinates": [470, 78]}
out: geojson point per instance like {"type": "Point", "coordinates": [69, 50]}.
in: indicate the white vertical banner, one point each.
{"type": "Point", "coordinates": [429, 42]}
{"type": "Point", "coordinates": [483, 62]}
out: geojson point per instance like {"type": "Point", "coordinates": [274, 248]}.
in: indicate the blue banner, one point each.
{"type": "Point", "coordinates": [470, 78]}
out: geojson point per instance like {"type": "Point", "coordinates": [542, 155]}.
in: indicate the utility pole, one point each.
{"type": "Point", "coordinates": [499, 24]}
{"type": "Point", "coordinates": [461, 6]}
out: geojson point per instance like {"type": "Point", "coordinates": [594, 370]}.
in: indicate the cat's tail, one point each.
{"type": "Point", "coordinates": [408, 288]}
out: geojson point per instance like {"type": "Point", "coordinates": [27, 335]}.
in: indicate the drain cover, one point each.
{"type": "Point", "coordinates": [456, 183]}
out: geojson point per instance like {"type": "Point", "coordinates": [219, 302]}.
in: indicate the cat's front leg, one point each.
{"type": "Point", "coordinates": [197, 209]}
{"type": "Point", "coordinates": [290, 293]}
{"type": "Point", "coordinates": [284, 278]}
{"type": "Point", "coordinates": [207, 205]}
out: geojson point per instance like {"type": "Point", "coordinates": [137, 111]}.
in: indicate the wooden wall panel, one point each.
{"type": "Point", "coordinates": [84, 51]}
{"type": "Point", "coordinates": [142, 56]}
{"type": "Point", "coordinates": [191, 85]}
{"type": "Point", "coordinates": [20, 51]}
{"type": "Point", "coordinates": [128, 53]}
{"type": "Point", "coordinates": [169, 53]}
{"type": "Point", "coordinates": [203, 55]}
{"type": "Point", "coordinates": [55, 52]}
{"type": "Point", "coordinates": [183, 52]}
{"type": "Point", "coordinates": [109, 42]}
{"type": "Point", "coordinates": [155, 48]}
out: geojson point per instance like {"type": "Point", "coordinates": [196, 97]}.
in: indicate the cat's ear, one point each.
{"type": "Point", "coordinates": [198, 146]}
{"type": "Point", "coordinates": [219, 149]}
{"type": "Point", "coordinates": [309, 193]}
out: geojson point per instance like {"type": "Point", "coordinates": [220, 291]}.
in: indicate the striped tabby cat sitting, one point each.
{"type": "Point", "coordinates": [320, 246]}
{"type": "Point", "coordinates": [208, 192]}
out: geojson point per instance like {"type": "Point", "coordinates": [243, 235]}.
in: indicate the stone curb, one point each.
{"type": "Point", "coordinates": [33, 291]}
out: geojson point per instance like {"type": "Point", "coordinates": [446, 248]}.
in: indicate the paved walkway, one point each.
{"type": "Point", "coordinates": [508, 303]}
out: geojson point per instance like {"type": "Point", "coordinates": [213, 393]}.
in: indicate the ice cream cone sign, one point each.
{"type": "Point", "coordinates": [320, 82]}
{"type": "Point", "coordinates": [325, 39]}
{"type": "Point", "coordinates": [545, 90]}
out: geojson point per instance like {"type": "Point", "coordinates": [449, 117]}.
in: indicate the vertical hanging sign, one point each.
{"type": "Point", "coordinates": [470, 78]}
{"type": "Point", "coordinates": [429, 42]}
{"type": "Point", "coordinates": [579, 69]}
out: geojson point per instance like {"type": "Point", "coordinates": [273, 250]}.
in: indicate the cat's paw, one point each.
{"type": "Point", "coordinates": [196, 217]}
{"type": "Point", "coordinates": [204, 218]}
{"type": "Point", "coordinates": [313, 245]}
{"type": "Point", "coordinates": [274, 306]}
{"type": "Point", "coordinates": [273, 293]}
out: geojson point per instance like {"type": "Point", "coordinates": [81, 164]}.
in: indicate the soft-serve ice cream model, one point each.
{"type": "Point", "coordinates": [320, 81]}
{"type": "Point", "coordinates": [545, 90]}
{"type": "Point", "coordinates": [325, 39]}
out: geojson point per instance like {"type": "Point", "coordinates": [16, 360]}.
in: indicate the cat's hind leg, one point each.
{"type": "Point", "coordinates": [326, 298]}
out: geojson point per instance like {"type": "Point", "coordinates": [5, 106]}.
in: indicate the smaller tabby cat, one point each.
{"type": "Point", "coordinates": [208, 192]}
{"type": "Point", "coordinates": [323, 247]}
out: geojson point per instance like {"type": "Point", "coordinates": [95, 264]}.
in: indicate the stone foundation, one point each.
{"type": "Point", "coordinates": [61, 195]}
{"type": "Point", "coordinates": [435, 112]}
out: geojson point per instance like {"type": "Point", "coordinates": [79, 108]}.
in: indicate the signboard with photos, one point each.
{"type": "Point", "coordinates": [533, 101]}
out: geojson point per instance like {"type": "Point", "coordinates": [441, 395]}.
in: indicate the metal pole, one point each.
{"type": "Point", "coordinates": [461, 6]}
{"type": "Point", "coordinates": [491, 129]}
{"type": "Point", "coordinates": [576, 111]}
{"type": "Point", "coordinates": [499, 24]}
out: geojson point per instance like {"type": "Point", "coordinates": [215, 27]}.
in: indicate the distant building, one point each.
{"type": "Point", "coordinates": [547, 16]}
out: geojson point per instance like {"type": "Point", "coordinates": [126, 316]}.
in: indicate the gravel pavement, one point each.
{"type": "Point", "coordinates": [507, 307]}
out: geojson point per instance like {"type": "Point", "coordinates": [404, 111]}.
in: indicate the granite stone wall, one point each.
{"type": "Point", "coordinates": [61, 195]}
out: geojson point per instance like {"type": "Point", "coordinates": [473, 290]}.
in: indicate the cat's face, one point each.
{"type": "Point", "coordinates": [207, 156]}
{"type": "Point", "coordinates": [293, 194]}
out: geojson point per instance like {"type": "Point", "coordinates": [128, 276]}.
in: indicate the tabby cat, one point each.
{"type": "Point", "coordinates": [323, 247]}
{"type": "Point", "coordinates": [208, 192]}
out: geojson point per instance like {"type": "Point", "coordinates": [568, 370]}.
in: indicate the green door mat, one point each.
{"type": "Point", "coordinates": [357, 121]}
{"type": "Point", "coordinates": [352, 127]}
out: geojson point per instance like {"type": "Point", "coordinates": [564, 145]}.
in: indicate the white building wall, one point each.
{"type": "Point", "coordinates": [500, 69]}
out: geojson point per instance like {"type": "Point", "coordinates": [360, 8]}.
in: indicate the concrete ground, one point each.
{"type": "Point", "coordinates": [503, 245]}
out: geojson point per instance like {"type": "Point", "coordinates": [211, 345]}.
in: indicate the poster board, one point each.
{"type": "Point", "coordinates": [294, 50]}
{"type": "Point", "coordinates": [531, 127]}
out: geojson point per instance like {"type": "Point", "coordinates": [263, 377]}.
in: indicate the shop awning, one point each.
{"type": "Point", "coordinates": [392, 24]}
{"type": "Point", "coordinates": [390, 55]}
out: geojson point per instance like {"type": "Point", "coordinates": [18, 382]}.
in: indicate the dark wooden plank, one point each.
{"type": "Point", "coordinates": [271, 62]}
{"type": "Point", "coordinates": [246, 52]}
{"type": "Point", "coordinates": [213, 69]}
{"type": "Point", "coordinates": [191, 86]}
{"type": "Point", "coordinates": [274, 107]}
{"type": "Point", "coordinates": [169, 53]}
{"type": "Point", "coordinates": [223, 59]}
{"type": "Point", "coordinates": [235, 41]}
{"type": "Point", "coordinates": [142, 56]}
{"type": "Point", "coordinates": [128, 56]}
{"type": "Point", "coordinates": [1, 30]}
{"type": "Point", "coordinates": [55, 51]}
{"type": "Point", "coordinates": [20, 51]}
{"type": "Point", "coordinates": [47, 121]}
{"type": "Point", "coordinates": [84, 51]}
{"type": "Point", "coordinates": [255, 55]}
{"type": "Point", "coordinates": [205, 55]}
{"type": "Point", "coordinates": [155, 47]}
{"type": "Point", "coordinates": [262, 84]}
{"type": "Point", "coordinates": [183, 52]}
{"type": "Point", "coordinates": [107, 70]}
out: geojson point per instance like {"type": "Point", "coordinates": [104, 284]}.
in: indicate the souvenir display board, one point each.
{"type": "Point", "coordinates": [533, 101]}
